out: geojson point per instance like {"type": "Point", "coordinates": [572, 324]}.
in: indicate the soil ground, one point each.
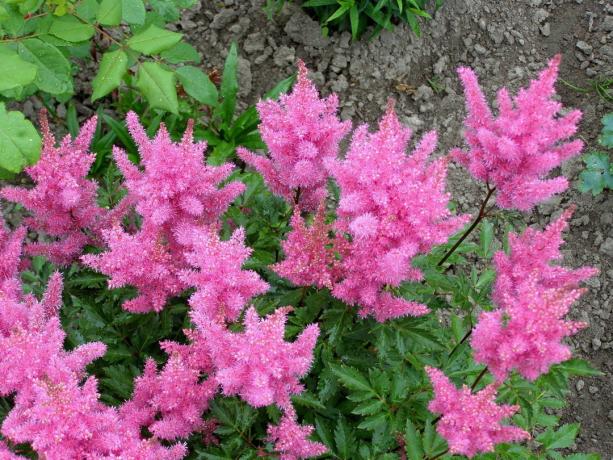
{"type": "Point", "coordinates": [506, 42]}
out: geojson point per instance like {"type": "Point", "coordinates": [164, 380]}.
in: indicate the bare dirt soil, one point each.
{"type": "Point", "coordinates": [506, 42]}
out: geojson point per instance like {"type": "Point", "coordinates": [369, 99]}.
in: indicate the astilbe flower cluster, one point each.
{"type": "Point", "coordinates": [301, 131]}
{"type": "Point", "coordinates": [258, 364]}
{"type": "Point", "coordinates": [471, 423]}
{"type": "Point", "coordinates": [174, 190]}
{"type": "Point", "coordinates": [394, 207]}
{"type": "Point", "coordinates": [292, 440]}
{"type": "Point", "coordinates": [63, 201]}
{"type": "Point", "coordinates": [525, 331]}
{"type": "Point", "coordinates": [514, 151]}
{"type": "Point", "coordinates": [312, 255]}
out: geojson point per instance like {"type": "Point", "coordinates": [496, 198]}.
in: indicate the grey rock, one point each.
{"type": "Point", "coordinates": [423, 93]}
{"type": "Point", "coordinates": [254, 43]}
{"type": "Point", "coordinates": [545, 29]}
{"type": "Point", "coordinates": [306, 31]}
{"type": "Point", "coordinates": [584, 47]}
{"type": "Point", "coordinates": [580, 385]}
{"type": "Point", "coordinates": [607, 50]}
{"type": "Point", "coordinates": [339, 61]}
{"type": "Point", "coordinates": [284, 56]}
{"type": "Point", "coordinates": [607, 247]}
{"type": "Point", "coordinates": [540, 15]}
{"type": "Point", "coordinates": [607, 23]}
{"type": "Point", "coordinates": [480, 49]}
{"type": "Point", "coordinates": [223, 18]}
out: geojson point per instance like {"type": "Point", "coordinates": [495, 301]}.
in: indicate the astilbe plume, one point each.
{"type": "Point", "coordinates": [63, 201]}
{"type": "Point", "coordinates": [258, 364]}
{"type": "Point", "coordinates": [301, 131]}
{"type": "Point", "coordinates": [175, 189]}
{"type": "Point", "coordinates": [292, 440]}
{"type": "Point", "coordinates": [6, 454]}
{"type": "Point", "coordinates": [532, 296]}
{"type": "Point", "coordinates": [312, 256]}
{"type": "Point", "coordinates": [517, 149]}
{"type": "Point", "coordinates": [223, 288]}
{"type": "Point", "coordinates": [471, 423]}
{"type": "Point", "coordinates": [394, 207]}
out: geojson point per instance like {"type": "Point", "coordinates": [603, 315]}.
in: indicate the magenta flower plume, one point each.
{"type": "Point", "coordinates": [258, 364]}
{"type": "Point", "coordinates": [7, 454]}
{"type": "Point", "coordinates": [170, 404]}
{"type": "Point", "coordinates": [63, 201]}
{"type": "Point", "coordinates": [471, 423]}
{"type": "Point", "coordinates": [11, 248]}
{"type": "Point", "coordinates": [143, 260]}
{"type": "Point", "coordinates": [516, 150]}
{"type": "Point", "coordinates": [292, 440]}
{"type": "Point", "coordinates": [175, 185]}
{"type": "Point", "coordinates": [223, 288]}
{"type": "Point", "coordinates": [532, 296]}
{"type": "Point", "coordinates": [394, 207]}
{"type": "Point", "coordinates": [312, 256]}
{"type": "Point", "coordinates": [301, 131]}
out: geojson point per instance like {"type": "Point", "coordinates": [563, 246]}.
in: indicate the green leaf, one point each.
{"type": "Point", "coordinates": [53, 74]}
{"type": "Point", "coordinates": [344, 439]}
{"type": "Point", "coordinates": [154, 40]}
{"type": "Point", "coordinates": [606, 137]}
{"type": "Point", "coordinates": [109, 13]}
{"type": "Point", "coordinates": [229, 85]}
{"type": "Point", "coordinates": [338, 13]}
{"type": "Point", "coordinates": [198, 85]}
{"type": "Point", "coordinates": [591, 181]}
{"type": "Point", "coordinates": [19, 141]}
{"type": "Point", "coordinates": [71, 29]}
{"type": "Point", "coordinates": [313, 3]}
{"type": "Point", "coordinates": [412, 442]}
{"type": "Point", "coordinates": [133, 11]}
{"type": "Point", "coordinates": [15, 72]}
{"type": "Point", "coordinates": [158, 86]}
{"type": "Point", "coordinates": [562, 438]}
{"type": "Point", "coordinates": [113, 67]}
{"type": "Point", "coordinates": [354, 20]}
{"type": "Point", "coordinates": [351, 378]}
{"type": "Point", "coordinates": [181, 52]}
{"type": "Point", "coordinates": [88, 9]}
{"type": "Point", "coordinates": [580, 367]}
{"type": "Point", "coordinates": [486, 237]}
{"type": "Point", "coordinates": [374, 422]}
{"type": "Point", "coordinates": [369, 407]}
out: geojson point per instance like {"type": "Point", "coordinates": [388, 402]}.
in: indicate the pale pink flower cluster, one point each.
{"type": "Point", "coordinates": [292, 439]}
{"type": "Point", "coordinates": [394, 207]}
{"type": "Point", "coordinates": [471, 423]}
{"type": "Point", "coordinates": [312, 256]}
{"type": "Point", "coordinates": [301, 131]}
{"type": "Point", "coordinates": [174, 190]}
{"type": "Point", "coordinates": [517, 149]}
{"type": "Point", "coordinates": [63, 202]}
{"type": "Point", "coordinates": [258, 364]}
{"type": "Point", "coordinates": [525, 331]}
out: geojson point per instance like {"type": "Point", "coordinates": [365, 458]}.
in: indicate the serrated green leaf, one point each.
{"type": "Point", "coordinates": [562, 438]}
{"type": "Point", "coordinates": [53, 75]}
{"type": "Point", "coordinates": [154, 40]}
{"type": "Point", "coordinates": [109, 12]}
{"type": "Point", "coordinates": [606, 137]}
{"type": "Point", "coordinates": [591, 181]}
{"type": "Point", "coordinates": [351, 378]}
{"type": "Point", "coordinates": [133, 11]}
{"type": "Point", "coordinates": [198, 85]}
{"type": "Point", "coordinates": [412, 441]}
{"type": "Point", "coordinates": [113, 67]}
{"type": "Point", "coordinates": [71, 29]}
{"type": "Point", "coordinates": [19, 141]}
{"type": "Point", "coordinates": [374, 422]}
{"type": "Point", "coordinates": [369, 407]}
{"type": "Point", "coordinates": [344, 439]}
{"type": "Point", "coordinates": [580, 367]}
{"type": "Point", "coordinates": [158, 86]}
{"type": "Point", "coordinates": [181, 52]}
{"type": "Point", "coordinates": [15, 72]}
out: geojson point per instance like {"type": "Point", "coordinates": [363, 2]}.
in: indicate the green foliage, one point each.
{"type": "Point", "coordinates": [357, 15]}
{"type": "Point", "coordinates": [19, 142]}
{"type": "Point", "coordinates": [598, 173]}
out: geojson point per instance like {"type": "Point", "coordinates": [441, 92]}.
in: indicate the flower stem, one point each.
{"type": "Point", "coordinates": [479, 218]}
{"type": "Point", "coordinates": [478, 379]}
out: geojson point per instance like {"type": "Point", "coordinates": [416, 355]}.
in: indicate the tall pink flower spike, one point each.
{"type": "Point", "coordinates": [517, 149]}
{"type": "Point", "coordinates": [525, 331]}
{"type": "Point", "coordinates": [292, 440]}
{"type": "Point", "coordinates": [312, 256]}
{"type": "Point", "coordinates": [301, 131]}
{"type": "Point", "coordinates": [471, 423]}
{"type": "Point", "coordinates": [258, 364]}
{"type": "Point", "coordinates": [394, 207]}
{"type": "Point", "coordinates": [63, 201]}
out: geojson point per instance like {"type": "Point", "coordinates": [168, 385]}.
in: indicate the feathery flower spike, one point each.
{"type": "Point", "coordinates": [292, 440]}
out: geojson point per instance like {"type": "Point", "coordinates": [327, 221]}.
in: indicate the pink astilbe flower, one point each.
{"type": "Point", "coordinates": [143, 260]}
{"type": "Point", "coordinates": [471, 423]}
{"type": "Point", "coordinates": [7, 454]}
{"type": "Point", "coordinates": [175, 185]}
{"type": "Point", "coordinates": [301, 131]}
{"type": "Point", "coordinates": [312, 256]}
{"type": "Point", "coordinates": [63, 202]}
{"type": "Point", "coordinates": [292, 440]}
{"type": "Point", "coordinates": [532, 296]}
{"type": "Point", "coordinates": [258, 364]}
{"type": "Point", "coordinates": [170, 404]}
{"type": "Point", "coordinates": [516, 150]}
{"type": "Point", "coordinates": [223, 288]}
{"type": "Point", "coordinates": [394, 207]}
